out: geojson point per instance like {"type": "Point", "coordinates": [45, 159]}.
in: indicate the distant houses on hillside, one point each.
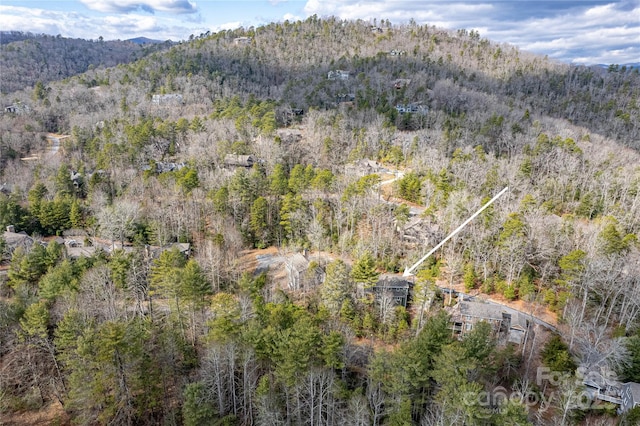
{"type": "Point", "coordinates": [16, 108]}
{"type": "Point", "coordinates": [78, 244]}
{"type": "Point", "coordinates": [342, 98]}
{"type": "Point", "coordinates": [167, 99]}
{"type": "Point", "coordinates": [338, 75]}
{"type": "Point", "coordinates": [363, 167]}
{"type": "Point", "coordinates": [247, 161]}
{"type": "Point", "coordinates": [413, 108]}
{"type": "Point", "coordinates": [163, 167]}
{"type": "Point", "coordinates": [15, 240]}
{"type": "Point", "coordinates": [289, 136]}
{"type": "Point", "coordinates": [378, 30]}
{"type": "Point", "coordinates": [238, 41]}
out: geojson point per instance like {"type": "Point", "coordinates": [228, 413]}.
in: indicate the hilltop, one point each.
{"type": "Point", "coordinates": [27, 58]}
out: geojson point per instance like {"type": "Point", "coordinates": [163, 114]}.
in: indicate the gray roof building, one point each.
{"type": "Point", "coordinates": [17, 239]}
{"type": "Point", "coordinates": [630, 396]}
{"type": "Point", "coordinates": [507, 323]}
{"type": "Point", "coordinates": [518, 327]}
{"type": "Point", "coordinates": [396, 286]}
{"type": "Point", "coordinates": [242, 40]}
{"type": "Point", "coordinates": [234, 160]}
{"type": "Point", "coordinates": [169, 98]}
{"type": "Point", "coordinates": [296, 267]}
{"type": "Point", "coordinates": [162, 167]}
{"type": "Point", "coordinates": [338, 75]}
{"type": "Point", "coordinates": [17, 108]}
{"type": "Point", "coordinates": [363, 167]}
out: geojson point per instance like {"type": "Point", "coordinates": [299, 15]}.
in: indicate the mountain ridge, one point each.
{"type": "Point", "coordinates": [27, 58]}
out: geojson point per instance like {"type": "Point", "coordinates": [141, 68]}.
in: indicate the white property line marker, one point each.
{"type": "Point", "coordinates": [409, 271]}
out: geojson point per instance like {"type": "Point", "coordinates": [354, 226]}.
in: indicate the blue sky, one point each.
{"type": "Point", "coordinates": [579, 31]}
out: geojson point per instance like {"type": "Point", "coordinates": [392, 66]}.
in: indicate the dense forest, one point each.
{"type": "Point", "coordinates": [26, 58]}
{"type": "Point", "coordinates": [164, 203]}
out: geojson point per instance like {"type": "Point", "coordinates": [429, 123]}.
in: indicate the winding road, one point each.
{"type": "Point", "coordinates": [51, 151]}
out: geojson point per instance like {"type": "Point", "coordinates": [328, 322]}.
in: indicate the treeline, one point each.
{"type": "Point", "coordinates": [26, 59]}
{"type": "Point", "coordinates": [138, 341]}
{"type": "Point", "coordinates": [134, 340]}
{"type": "Point", "coordinates": [465, 77]}
{"type": "Point", "coordinates": [460, 74]}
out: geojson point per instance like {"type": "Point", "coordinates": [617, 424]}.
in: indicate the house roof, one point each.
{"type": "Point", "coordinates": [519, 321]}
{"type": "Point", "coordinates": [634, 388]}
{"type": "Point", "coordinates": [298, 262]}
{"type": "Point", "coordinates": [596, 377]}
{"type": "Point", "coordinates": [341, 74]}
{"type": "Point", "coordinates": [365, 163]}
{"type": "Point", "coordinates": [294, 134]}
{"type": "Point", "coordinates": [168, 167]}
{"type": "Point", "coordinates": [16, 239]}
{"type": "Point", "coordinates": [18, 107]}
{"type": "Point", "coordinates": [74, 232]}
{"type": "Point", "coordinates": [394, 285]}
{"type": "Point", "coordinates": [483, 311]}
{"type": "Point", "coordinates": [167, 96]}
{"type": "Point", "coordinates": [155, 251]}
{"type": "Point", "coordinates": [392, 281]}
{"type": "Point", "coordinates": [183, 248]}
{"type": "Point", "coordinates": [240, 160]}
{"type": "Point", "coordinates": [81, 251]}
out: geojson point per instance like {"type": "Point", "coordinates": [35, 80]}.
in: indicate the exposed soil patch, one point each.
{"type": "Point", "coordinates": [52, 414]}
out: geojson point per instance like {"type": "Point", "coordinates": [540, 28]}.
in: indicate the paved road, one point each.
{"type": "Point", "coordinates": [398, 175]}
{"type": "Point", "coordinates": [55, 145]}
{"type": "Point", "coordinates": [50, 152]}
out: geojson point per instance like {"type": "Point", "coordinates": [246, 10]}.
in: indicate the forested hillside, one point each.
{"type": "Point", "coordinates": [28, 58]}
{"type": "Point", "coordinates": [226, 211]}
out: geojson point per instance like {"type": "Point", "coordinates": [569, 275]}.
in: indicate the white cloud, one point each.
{"type": "Point", "coordinates": [605, 33]}
{"type": "Point", "coordinates": [565, 30]}
{"type": "Point", "coordinates": [136, 23]}
{"type": "Point", "coordinates": [228, 26]}
{"type": "Point", "coordinates": [37, 20]}
{"type": "Point", "coordinates": [291, 17]}
{"type": "Point", "coordinates": [120, 6]}
{"type": "Point", "coordinates": [111, 27]}
{"type": "Point", "coordinates": [397, 11]}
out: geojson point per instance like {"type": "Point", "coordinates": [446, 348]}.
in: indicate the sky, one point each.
{"type": "Point", "coordinates": [577, 31]}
